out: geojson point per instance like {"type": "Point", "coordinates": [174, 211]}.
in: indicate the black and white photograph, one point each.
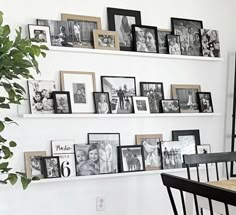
{"type": "Point", "coordinates": [102, 102]}
{"type": "Point", "coordinates": [189, 32]}
{"type": "Point", "coordinates": [40, 96]}
{"type": "Point", "coordinates": [107, 145]}
{"type": "Point", "coordinates": [87, 159]}
{"type": "Point", "coordinates": [152, 150]}
{"type": "Point", "coordinates": [40, 34]}
{"type": "Point", "coordinates": [187, 96]}
{"type": "Point", "coordinates": [162, 40]}
{"type": "Point", "coordinates": [141, 104]}
{"type": "Point", "coordinates": [204, 149]}
{"type": "Point", "coordinates": [79, 92]}
{"type": "Point", "coordinates": [173, 44]}
{"type": "Point", "coordinates": [131, 158]}
{"type": "Point", "coordinates": [154, 91]}
{"type": "Point", "coordinates": [170, 106]}
{"type": "Point", "coordinates": [51, 167]}
{"type": "Point", "coordinates": [205, 102]}
{"type": "Point", "coordinates": [59, 32]}
{"type": "Point", "coordinates": [145, 38]}
{"type": "Point", "coordinates": [210, 43]}
{"type": "Point", "coordinates": [61, 102]}
{"type": "Point", "coordinates": [121, 20]}
{"type": "Point", "coordinates": [120, 89]}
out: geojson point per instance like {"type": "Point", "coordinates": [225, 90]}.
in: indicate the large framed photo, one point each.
{"type": "Point", "coordinates": [81, 86]}
{"type": "Point", "coordinates": [170, 106]}
{"type": "Point", "coordinates": [40, 96]}
{"type": "Point", "coordinates": [120, 89]}
{"type": "Point", "coordinates": [173, 44]}
{"type": "Point", "coordinates": [205, 102]}
{"type": "Point", "coordinates": [162, 40]}
{"type": "Point", "coordinates": [51, 167]}
{"type": "Point", "coordinates": [121, 20]}
{"type": "Point", "coordinates": [152, 150]}
{"type": "Point", "coordinates": [131, 158]}
{"type": "Point", "coordinates": [145, 38]}
{"type": "Point", "coordinates": [141, 104]}
{"type": "Point", "coordinates": [188, 30]}
{"type": "Point", "coordinates": [154, 91]}
{"type": "Point", "coordinates": [107, 145]}
{"type": "Point", "coordinates": [61, 102]}
{"type": "Point", "coordinates": [33, 163]}
{"type": "Point", "coordinates": [81, 29]}
{"type": "Point", "coordinates": [102, 102]}
{"type": "Point", "coordinates": [40, 34]}
{"type": "Point", "coordinates": [187, 95]}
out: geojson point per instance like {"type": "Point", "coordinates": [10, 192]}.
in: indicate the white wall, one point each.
{"type": "Point", "coordinates": [132, 195]}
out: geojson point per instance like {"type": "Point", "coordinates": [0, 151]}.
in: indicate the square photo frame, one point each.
{"type": "Point", "coordinates": [170, 106]}
{"type": "Point", "coordinates": [173, 44]}
{"type": "Point", "coordinates": [61, 102]}
{"type": "Point", "coordinates": [40, 34]}
{"type": "Point", "coordinates": [141, 105]}
{"type": "Point", "coordinates": [51, 167]}
{"type": "Point", "coordinates": [102, 102]}
{"type": "Point", "coordinates": [205, 102]}
{"type": "Point", "coordinates": [162, 40]}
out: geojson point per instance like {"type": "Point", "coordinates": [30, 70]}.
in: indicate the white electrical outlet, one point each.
{"type": "Point", "coordinates": [100, 203]}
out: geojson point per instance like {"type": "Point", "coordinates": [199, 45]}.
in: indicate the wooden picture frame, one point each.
{"type": "Point", "coordinates": [205, 102]}
{"type": "Point", "coordinates": [61, 105]}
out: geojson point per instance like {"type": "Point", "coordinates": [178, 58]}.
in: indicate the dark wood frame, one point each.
{"type": "Point", "coordinates": [161, 105]}
{"type": "Point", "coordinates": [45, 168]}
{"type": "Point", "coordinates": [54, 93]}
{"type": "Point", "coordinates": [95, 103]}
{"type": "Point", "coordinates": [111, 12]}
{"type": "Point", "coordinates": [199, 101]}
{"type": "Point", "coordinates": [168, 45]}
{"type": "Point", "coordinates": [167, 31]}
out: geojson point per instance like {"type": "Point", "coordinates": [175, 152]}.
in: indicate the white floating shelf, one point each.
{"type": "Point", "coordinates": [129, 53]}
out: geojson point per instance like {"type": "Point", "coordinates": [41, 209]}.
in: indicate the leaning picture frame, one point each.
{"type": "Point", "coordinates": [141, 105]}
{"type": "Point", "coordinates": [162, 40]}
{"type": "Point", "coordinates": [61, 102]}
{"type": "Point", "coordinates": [40, 34]}
{"type": "Point", "coordinates": [205, 102]}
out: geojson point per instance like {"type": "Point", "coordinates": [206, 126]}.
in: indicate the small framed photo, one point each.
{"type": "Point", "coordinates": [145, 38]}
{"type": "Point", "coordinates": [106, 40]}
{"type": "Point", "coordinates": [187, 95]}
{"type": "Point", "coordinates": [81, 86]}
{"type": "Point", "coordinates": [51, 167]}
{"type": "Point", "coordinates": [131, 158]}
{"type": "Point", "coordinates": [205, 102]}
{"type": "Point", "coordinates": [204, 149]}
{"type": "Point", "coordinates": [121, 20]}
{"type": "Point", "coordinates": [210, 43]}
{"type": "Point", "coordinates": [40, 34]}
{"type": "Point", "coordinates": [33, 164]}
{"type": "Point", "coordinates": [61, 102]}
{"type": "Point", "coordinates": [173, 43]}
{"type": "Point", "coordinates": [162, 40]}
{"type": "Point", "coordinates": [118, 108]}
{"type": "Point", "coordinates": [152, 150]}
{"type": "Point", "coordinates": [170, 106]}
{"type": "Point", "coordinates": [102, 102]}
{"type": "Point", "coordinates": [141, 104]}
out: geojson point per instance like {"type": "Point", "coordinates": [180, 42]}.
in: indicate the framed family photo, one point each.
{"type": "Point", "coordinates": [51, 167]}
{"type": "Point", "coordinates": [204, 149]}
{"type": "Point", "coordinates": [170, 106]}
{"type": "Point", "coordinates": [141, 104]}
{"type": "Point", "coordinates": [121, 20]}
{"type": "Point", "coordinates": [162, 40]}
{"type": "Point", "coordinates": [205, 102]}
{"type": "Point", "coordinates": [81, 86]}
{"type": "Point", "coordinates": [61, 102]}
{"type": "Point", "coordinates": [102, 102]}
{"type": "Point", "coordinates": [173, 44]}
{"type": "Point", "coordinates": [40, 34]}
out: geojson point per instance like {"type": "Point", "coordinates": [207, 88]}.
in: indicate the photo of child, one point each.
{"type": "Point", "coordinates": [174, 44]}
{"type": "Point", "coordinates": [102, 103]}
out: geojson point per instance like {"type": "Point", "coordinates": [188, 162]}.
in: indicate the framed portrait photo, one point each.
{"type": "Point", "coordinates": [141, 104]}
{"type": "Point", "coordinates": [162, 40]}
{"type": "Point", "coordinates": [188, 30]}
{"type": "Point", "coordinates": [204, 149]}
{"type": "Point", "coordinates": [102, 102]}
{"type": "Point", "coordinates": [40, 34]}
{"type": "Point", "coordinates": [131, 158]}
{"type": "Point", "coordinates": [170, 106]}
{"type": "Point", "coordinates": [33, 164]}
{"type": "Point", "coordinates": [121, 20]}
{"type": "Point", "coordinates": [61, 102]}
{"type": "Point", "coordinates": [81, 29]}
{"type": "Point", "coordinates": [187, 96]}
{"type": "Point", "coordinates": [81, 86]}
{"type": "Point", "coordinates": [152, 150]}
{"type": "Point", "coordinates": [145, 38]}
{"type": "Point", "coordinates": [51, 167]}
{"type": "Point", "coordinates": [173, 44]}
{"type": "Point", "coordinates": [205, 102]}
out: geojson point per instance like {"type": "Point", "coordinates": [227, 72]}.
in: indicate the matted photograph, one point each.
{"type": "Point", "coordinates": [210, 43]}
{"type": "Point", "coordinates": [204, 149]}
{"type": "Point", "coordinates": [205, 102]}
{"type": "Point", "coordinates": [145, 38]}
{"type": "Point", "coordinates": [121, 20]}
{"type": "Point", "coordinates": [106, 40]}
{"type": "Point", "coordinates": [81, 29]}
{"type": "Point", "coordinates": [87, 159]}
{"type": "Point", "coordinates": [51, 167]}
{"type": "Point", "coordinates": [33, 163]}
{"type": "Point", "coordinates": [40, 34]}
{"type": "Point", "coordinates": [141, 104]}
{"type": "Point", "coordinates": [170, 106]}
{"type": "Point", "coordinates": [81, 86]}
{"type": "Point", "coordinates": [189, 32]}
{"type": "Point", "coordinates": [40, 96]}
{"type": "Point", "coordinates": [131, 158]}
{"type": "Point", "coordinates": [162, 40]}
{"type": "Point", "coordinates": [117, 108]}
{"type": "Point", "coordinates": [152, 150]}
{"type": "Point", "coordinates": [102, 102]}
{"type": "Point", "coordinates": [107, 145]}
{"type": "Point", "coordinates": [187, 96]}
{"type": "Point", "coordinates": [61, 102]}
{"type": "Point", "coordinates": [173, 44]}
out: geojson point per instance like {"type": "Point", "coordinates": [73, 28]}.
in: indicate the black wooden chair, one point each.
{"type": "Point", "coordinates": [197, 189]}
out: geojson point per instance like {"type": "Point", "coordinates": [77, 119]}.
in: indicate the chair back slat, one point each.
{"type": "Point", "coordinates": [207, 172]}
{"type": "Point", "coordinates": [172, 201]}
{"type": "Point", "coordinates": [196, 204]}
{"type": "Point", "coordinates": [227, 171]}
{"type": "Point", "coordinates": [217, 171]}
{"type": "Point", "coordinates": [210, 207]}
{"type": "Point", "coordinates": [183, 202]}
{"type": "Point", "coordinates": [198, 176]}
{"type": "Point", "coordinates": [226, 209]}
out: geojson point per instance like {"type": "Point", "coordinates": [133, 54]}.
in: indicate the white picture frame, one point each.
{"type": "Point", "coordinates": [40, 34]}
{"type": "Point", "coordinates": [141, 105]}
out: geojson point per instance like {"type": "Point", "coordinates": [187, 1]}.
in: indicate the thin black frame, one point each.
{"type": "Point", "coordinates": [54, 93]}
{"type": "Point", "coordinates": [119, 149]}
{"type": "Point", "coordinates": [168, 45]}
{"type": "Point", "coordinates": [161, 105]}
{"type": "Point", "coordinates": [45, 168]}
{"type": "Point", "coordinates": [147, 27]}
{"type": "Point", "coordinates": [95, 103]}
{"type": "Point", "coordinates": [199, 102]}
{"type": "Point", "coordinates": [111, 12]}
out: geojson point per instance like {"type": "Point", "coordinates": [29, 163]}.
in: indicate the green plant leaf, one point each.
{"type": "Point", "coordinates": [12, 144]}
{"type": "Point", "coordinates": [21, 174]}
{"type": "Point", "coordinates": [2, 126]}
{"type": "Point", "coordinates": [1, 17]}
{"type": "Point", "coordinates": [7, 152]}
{"type": "Point", "coordinates": [4, 165]}
{"type": "Point", "coordinates": [35, 178]}
{"type": "Point", "coordinates": [2, 140]}
{"type": "Point", "coordinates": [2, 99]}
{"type": "Point", "coordinates": [25, 182]}
{"type": "Point", "coordinates": [12, 178]}
{"type": "Point", "coordinates": [8, 119]}
{"type": "Point", "coordinates": [5, 106]}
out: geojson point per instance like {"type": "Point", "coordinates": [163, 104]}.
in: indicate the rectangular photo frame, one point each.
{"type": "Point", "coordinates": [51, 167]}
{"type": "Point", "coordinates": [173, 44]}
{"type": "Point", "coordinates": [40, 34]}
{"type": "Point", "coordinates": [61, 102]}
{"type": "Point", "coordinates": [162, 40]}
{"type": "Point", "coordinates": [102, 102]}
{"type": "Point", "coordinates": [205, 102]}
{"type": "Point", "coordinates": [170, 106]}
{"type": "Point", "coordinates": [141, 105]}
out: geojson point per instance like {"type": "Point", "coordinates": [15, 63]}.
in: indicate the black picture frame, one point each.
{"type": "Point", "coordinates": [50, 174]}
{"type": "Point", "coordinates": [131, 164]}
{"type": "Point", "coordinates": [173, 44]}
{"type": "Point", "coordinates": [205, 102]}
{"type": "Point", "coordinates": [149, 32]}
{"type": "Point", "coordinates": [112, 15]}
{"type": "Point", "coordinates": [98, 107]}
{"type": "Point", "coordinates": [162, 40]}
{"type": "Point", "coordinates": [65, 103]}
{"type": "Point", "coordinates": [173, 106]}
